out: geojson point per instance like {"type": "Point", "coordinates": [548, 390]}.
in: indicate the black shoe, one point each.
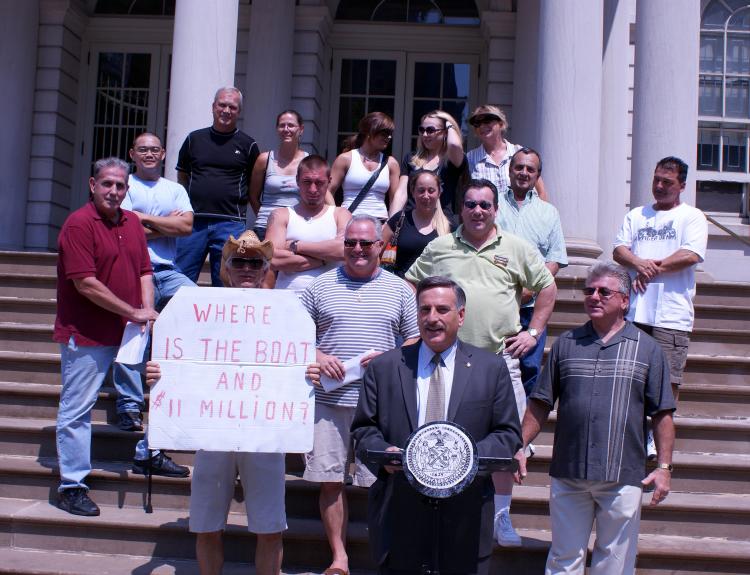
{"type": "Point", "coordinates": [77, 502]}
{"type": "Point", "coordinates": [161, 464]}
{"type": "Point", "coordinates": [130, 421]}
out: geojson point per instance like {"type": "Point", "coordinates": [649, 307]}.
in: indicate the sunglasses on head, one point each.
{"type": "Point", "coordinates": [429, 130]}
{"type": "Point", "coordinates": [241, 263]}
{"type": "Point", "coordinates": [604, 293]}
{"type": "Point", "coordinates": [364, 244]}
{"type": "Point", "coordinates": [471, 204]}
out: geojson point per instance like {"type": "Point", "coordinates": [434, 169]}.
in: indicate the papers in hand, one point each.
{"type": "Point", "coordinates": [133, 345]}
{"type": "Point", "coordinates": [353, 372]}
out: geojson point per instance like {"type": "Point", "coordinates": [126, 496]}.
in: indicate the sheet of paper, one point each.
{"type": "Point", "coordinates": [353, 372]}
{"type": "Point", "coordinates": [133, 345]}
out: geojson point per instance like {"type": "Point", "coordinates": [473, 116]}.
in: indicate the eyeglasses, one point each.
{"type": "Point", "coordinates": [604, 293]}
{"type": "Point", "coordinates": [385, 133]}
{"type": "Point", "coordinates": [471, 204]}
{"type": "Point", "coordinates": [241, 263]}
{"type": "Point", "coordinates": [147, 149]}
{"type": "Point", "coordinates": [429, 130]}
{"type": "Point", "coordinates": [479, 120]}
{"type": "Point", "coordinates": [364, 244]}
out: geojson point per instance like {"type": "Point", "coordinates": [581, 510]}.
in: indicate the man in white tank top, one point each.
{"type": "Point", "coordinates": [307, 238]}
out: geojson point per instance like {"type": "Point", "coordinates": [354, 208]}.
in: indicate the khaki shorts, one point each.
{"type": "Point", "coordinates": [514, 367]}
{"type": "Point", "coordinates": [675, 345]}
{"type": "Point", "coordinates": [327, 462]}
{"type": "Point", "coordinates": [212, 489]}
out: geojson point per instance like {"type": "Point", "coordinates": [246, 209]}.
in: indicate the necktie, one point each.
{"type": "Point", "coordinates": [436, 393]}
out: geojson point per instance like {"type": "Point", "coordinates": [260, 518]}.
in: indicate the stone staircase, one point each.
{"type": "Point", "coordinates": [703, 527]}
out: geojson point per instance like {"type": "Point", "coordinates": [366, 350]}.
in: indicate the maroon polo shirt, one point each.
{"type": "Point", "coordinates": [92, 246]}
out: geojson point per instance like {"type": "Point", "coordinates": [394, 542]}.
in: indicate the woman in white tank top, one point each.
{"type": "Point", "coordinates": [274, 180]}
{"type": "Point", "coordinates": [362, 158]}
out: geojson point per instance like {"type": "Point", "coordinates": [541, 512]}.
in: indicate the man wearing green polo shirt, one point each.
{"type": "Point", "coordinates": [493, 267]}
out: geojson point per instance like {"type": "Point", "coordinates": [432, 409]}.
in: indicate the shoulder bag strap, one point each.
{"type": "Point", "coordinates": [366, 188]}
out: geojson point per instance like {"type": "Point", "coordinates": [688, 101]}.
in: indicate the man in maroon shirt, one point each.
{"type": "Point", "coordinates": [103, 281]}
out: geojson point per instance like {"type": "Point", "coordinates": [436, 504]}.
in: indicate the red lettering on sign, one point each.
{"type": "Point", "coordinates": [201, 314]}
{"type": "Point", "coordinates": [271, 410]}
{"type": "Point", "coordinates": [266, 314]}
{"type": "Point", "coordinates": [260, 351]}
{"type": "Point", "coordinates": [207, 406]}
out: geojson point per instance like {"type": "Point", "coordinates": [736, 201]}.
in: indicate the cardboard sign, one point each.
{"type": "Point", "coordinates": [233, 372]}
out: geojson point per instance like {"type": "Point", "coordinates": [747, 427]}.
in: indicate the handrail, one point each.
{"type": "Point", "coordinates": [727, 230]}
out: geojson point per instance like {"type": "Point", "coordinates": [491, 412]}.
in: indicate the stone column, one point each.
{"type": "Point", "coordinates": [525, 126]}
{"type": "Point", "coordinates": [203, 55]}
{"type": "Point", "coordinates": [270, 55]}
{"type": "Point", "coordinates": [665, 99]}
{"type": "Point", "coordinates": [570, 79]}
{"type": "Point", "coordinates": [614, 191]}
{"type": "Point", "coordinates": [19, 25]}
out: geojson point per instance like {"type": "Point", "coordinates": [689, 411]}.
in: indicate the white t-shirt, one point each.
{"type": "Point", "coordinates": [652, 234]}
{"type": "Point", "coordinates": [157, 198]}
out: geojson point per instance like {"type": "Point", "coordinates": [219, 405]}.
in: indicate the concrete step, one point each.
{"type": "Point", "coordinates": [41, 285]}
{"type": "Point", "coordinates": [28, 309]}
{"type": "Point", "coordinates": [41, 400]}
{"type": "Point", "coordinates": [27, 262]}
{"type": "Point", "coordinates": [713, 400]}
{"type": "Point", "coordinates": [27, 337]}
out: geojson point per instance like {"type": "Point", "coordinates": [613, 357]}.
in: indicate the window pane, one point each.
{"type": "Point", "coordinates": [737, 97]}
{"type": "Point", "coordinates": [715, 16]}
{"type": "Point", "coordinates": [427, 79]}
{"type": "Point", "coordinates": [708, 149]}
{"type": "Point", "coordinates": [353, 76]}
{"type": "Point", "coordinates": [719, 197]}
{"type": "Point", "coordinates": [455, 81]}
{"type": "Point", "coordinates": [383, 77]}
{"type": "Point", "coordinates": [457, 12]}
{"type": "Point", "coordinates": [740, 21]}
{"type": "Point", "coordinates": [385, 105]}
{"type": "Point", "coordinates": [460, 111]}
{"type": "Point", "coordinates": [735, 152]}
{"type": "Point", "coordinates": [712, 53]}
{"type": "Point", "coordinates": [709, 96]}
{"type": "Point", "coordinates": [351, 111]}
{"type": "Point", "coordinates": [738, 54]}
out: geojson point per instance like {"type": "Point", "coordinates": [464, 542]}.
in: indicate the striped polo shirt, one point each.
{"type": "Point", "coordinates": [354, 315]}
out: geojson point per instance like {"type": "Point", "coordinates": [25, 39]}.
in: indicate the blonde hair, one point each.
{"type": "Point", "coordinates": [439, 221]}
{"type": "Point", "coordinates": [419, 159]}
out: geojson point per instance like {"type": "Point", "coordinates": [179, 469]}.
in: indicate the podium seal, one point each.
{"type": "Point", "coordinates": [440, 459]}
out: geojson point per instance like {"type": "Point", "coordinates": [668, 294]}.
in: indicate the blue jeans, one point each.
{"type": "Point", "coordinates": [166, 284]}
{"type": "Point", "coordinates": [208, 237]}
{"type": "Point", "coordinates": [531, 362]}
{"type": "Point", "coordinates": [83, 370]}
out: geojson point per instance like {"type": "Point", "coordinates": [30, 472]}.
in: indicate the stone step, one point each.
{"type": "Point", "coordinates": [39, 285]}
{"type": "Point", "coordinates": [713, 400]}
{"type": "Point", "coordinates": [28, 309]}
{"type": "Point", "coordinates": [28, 262]}
{"type": "Point", "coordinates": [41, 400]}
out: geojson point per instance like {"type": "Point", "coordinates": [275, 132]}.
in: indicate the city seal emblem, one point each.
{"type": "Point", "coordinates": [440, 459]}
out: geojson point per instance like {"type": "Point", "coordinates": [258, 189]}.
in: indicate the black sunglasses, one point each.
{"type": "Point", "coordinates": [241, 263]}
{"type": "Point", "coordinates": [364, 244]}
{"type": "Point", "coordinates": [471, 204]}
{"type": "Point", "coordinates": [384, 133]}
{"type": "Point", "coordinates": [479, 120]}
{"type": "Point", "coordinates": [604, 293]}
{"type": "Point", "coordinates": [429, 130]}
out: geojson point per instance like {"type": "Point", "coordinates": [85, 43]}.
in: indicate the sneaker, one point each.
{"type": "Point", "coordinates": [505, 535]}
{"type": "Point", "coordinates": [161, 464]}
{"type": "Point", "coordinates": [130, 421]}
{"type": "Point", "coordinates": [650, 446]}
{"type": "Point", "coordinates": [77, 502]}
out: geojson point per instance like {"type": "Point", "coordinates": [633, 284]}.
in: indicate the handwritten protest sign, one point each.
{"type": "Point", "coordinates": [233, 372]}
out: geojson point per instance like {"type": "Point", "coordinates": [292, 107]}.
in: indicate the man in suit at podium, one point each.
{"type": "Point", "coordinates": [438, 378]}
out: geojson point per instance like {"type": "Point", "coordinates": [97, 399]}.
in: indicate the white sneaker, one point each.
{"type": "Point", "coordinates": [650, 446]}
{"type": "Point", "coordinates": [505, 535]}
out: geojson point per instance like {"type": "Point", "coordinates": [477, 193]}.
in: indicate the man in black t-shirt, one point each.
{"type": "Point", "coordinates": [214, 165]}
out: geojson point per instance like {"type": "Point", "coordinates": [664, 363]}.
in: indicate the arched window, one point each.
{"type": "Point", "coordinates": [456, 12]}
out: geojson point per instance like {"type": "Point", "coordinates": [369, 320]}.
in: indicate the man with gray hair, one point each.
{"type": "Point", "coordinates": [360, 311]}
{"type": "Point", "coordinates": [103, 281]}
{"type": "Point", "coordinates": [214, 165]}
{"type": "Point", "coordinates": [607, 377]}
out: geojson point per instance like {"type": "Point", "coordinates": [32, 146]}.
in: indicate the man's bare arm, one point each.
{"type": "Point", "coordinates": [94, 290]}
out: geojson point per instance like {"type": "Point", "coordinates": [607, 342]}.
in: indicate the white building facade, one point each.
{"type": "Point", "coordinates": [602, 88]}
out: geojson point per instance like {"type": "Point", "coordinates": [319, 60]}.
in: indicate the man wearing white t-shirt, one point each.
{"type": "Point", "coordinates": [661, 244]}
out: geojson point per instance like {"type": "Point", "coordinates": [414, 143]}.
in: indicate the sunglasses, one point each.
{"type": "Point", "coordinates": [471, 204]}
{"type": "Point", "coordinates": [429, 130]}
{"type": "Point", "coordinates": [384, 133]}
{"type": "Point", "coordinates": [604, 293]}
{"type": "Point", "coordinates": [241, 263]}
{"type": "Point", "coordinates": [364, 244]}
{"type": "Point", "coordinates": [479, 120]}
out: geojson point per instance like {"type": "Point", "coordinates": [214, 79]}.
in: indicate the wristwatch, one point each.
{"type": "Point", "coordinates": [533, 332]}
{"type": "Point", "coordinates": [667, 466]}
{"type": "Point", "coordinates": [448, 125]}
{"type": "Point", "coordinates": [293, 246]}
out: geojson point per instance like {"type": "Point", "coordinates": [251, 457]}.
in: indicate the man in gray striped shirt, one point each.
{"type": "Point", "coordinates": [358, 310]}
{"type": "Point", "coordinates": [606, 376]}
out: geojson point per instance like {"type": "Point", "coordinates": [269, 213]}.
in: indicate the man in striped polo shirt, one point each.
{"type": "Point", "coordinates": [359, 310]}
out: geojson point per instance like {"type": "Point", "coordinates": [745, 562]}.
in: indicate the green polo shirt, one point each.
{"type": "Point", "coordinates": [492, 277]}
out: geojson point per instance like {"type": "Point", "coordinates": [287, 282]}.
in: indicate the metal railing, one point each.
{"type": "Point", "coordinates": [722, 227]}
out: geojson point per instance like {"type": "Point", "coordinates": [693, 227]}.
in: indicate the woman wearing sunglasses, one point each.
{"type": "Point", "coordinates": [364, 172]}
{"type": "Point", "coordinates": [273, 183]}
{"type": "Point", "coordinates": [491, 159]}
{"type": "Point", "coordinates": [414, 227]}
{"type": "Point", "coordinates": [439, 149]}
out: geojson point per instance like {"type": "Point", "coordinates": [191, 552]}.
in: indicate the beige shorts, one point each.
{"type": "Point", "coordinates": [514, 367]}
{"type": "Point", "coordinates": [332, 450]}
{"type": "Point", "coordinates": [212, 489]}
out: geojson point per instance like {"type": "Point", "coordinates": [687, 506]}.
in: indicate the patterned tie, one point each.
{"type": "Point", "coordinates": [435, 393]}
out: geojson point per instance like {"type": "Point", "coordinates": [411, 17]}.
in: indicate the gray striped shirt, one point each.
{"type": "Point", "coordinates": [482, 166]}
{"type": "Point", "coordinates": [352, 316]}
{"type": "Point", "coordinates": [604, 392]}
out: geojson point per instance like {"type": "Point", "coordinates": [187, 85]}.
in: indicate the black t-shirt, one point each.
{"type": "Point", "coordinates": [449, 175]}
{"type": "Point", "coordinates": [219, 166]}
{"type": "Point", "coordinates": [411, 242]}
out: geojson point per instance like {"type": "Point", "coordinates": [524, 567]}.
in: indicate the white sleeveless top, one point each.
{"type": "Point", "coordinates": [314, 230]}
{"type": "Point", "coordinates": [279, 191]}
{"type": "Point", "coordinates": [356, 177]}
